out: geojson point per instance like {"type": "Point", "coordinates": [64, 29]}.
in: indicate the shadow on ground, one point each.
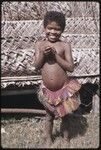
{"type": "Point", "coordinates": [75, 125]}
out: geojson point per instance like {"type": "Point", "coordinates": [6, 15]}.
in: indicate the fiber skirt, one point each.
{"type": "Point", "coordinates": [62, 101]}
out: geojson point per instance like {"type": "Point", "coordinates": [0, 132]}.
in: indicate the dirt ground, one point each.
{"type": "Point", "coordinates": [27, 131]}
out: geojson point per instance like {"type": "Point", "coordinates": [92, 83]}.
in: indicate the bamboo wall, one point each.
{"type": "Point", "coordinates": [22, 26]}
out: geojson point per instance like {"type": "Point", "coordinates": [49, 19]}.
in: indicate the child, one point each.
{"type": "Point", "coordinates": [54, 57]}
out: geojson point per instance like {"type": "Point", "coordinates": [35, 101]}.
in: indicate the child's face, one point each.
{"type": "Point", "coordinates": [53, 31]}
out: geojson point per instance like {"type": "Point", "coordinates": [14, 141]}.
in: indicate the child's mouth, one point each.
{"type": "Point", "coordinates": [52, 37]}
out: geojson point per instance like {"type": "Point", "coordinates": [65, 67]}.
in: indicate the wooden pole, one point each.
{"type": "Point", "coordinates": [16, 110]}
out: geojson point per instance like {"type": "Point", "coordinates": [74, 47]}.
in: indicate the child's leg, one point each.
{"type": "Point", "coordinates": [49, 127]}
{"type": "Point", "coordinates": [65, 128]}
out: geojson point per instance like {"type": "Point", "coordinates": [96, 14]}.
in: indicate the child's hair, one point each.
{"type": "Point", "coordinates": [56, 16]}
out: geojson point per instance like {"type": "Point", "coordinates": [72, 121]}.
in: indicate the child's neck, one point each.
{"type": "Point", "coordinates": [52, 42]}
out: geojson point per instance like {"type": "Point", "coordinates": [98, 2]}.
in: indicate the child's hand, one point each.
{"type": "Point", "coordinates": [53, 50]}
{"type": "Point", "coordinates": [49, 50]}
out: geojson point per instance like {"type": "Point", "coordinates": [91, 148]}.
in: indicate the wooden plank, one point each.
{"type": "Point", "coordinates": [16, 110]}
{"type": "Point", "coordinates": [21, 78]}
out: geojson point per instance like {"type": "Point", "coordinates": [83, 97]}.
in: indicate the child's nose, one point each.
{"type": "Point", "coordinates": [52, 31]}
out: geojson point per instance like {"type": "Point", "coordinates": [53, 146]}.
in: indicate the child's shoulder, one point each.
{"type": "Point", "coordinates": [65, 43]}
{"type": "Point", "coordinates": [39, 42]}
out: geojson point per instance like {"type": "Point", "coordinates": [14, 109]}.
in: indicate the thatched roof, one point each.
{"type": "Point", "coordinates": [22, 27]}
{"type": "Point", "coordinates": [36, 10]}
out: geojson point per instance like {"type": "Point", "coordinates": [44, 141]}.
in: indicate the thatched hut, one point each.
{"type": "Point", "coordinates": [21, 27]}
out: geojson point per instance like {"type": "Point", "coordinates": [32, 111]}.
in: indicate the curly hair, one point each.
{"type": "Point", "coordinates": [56, 16]}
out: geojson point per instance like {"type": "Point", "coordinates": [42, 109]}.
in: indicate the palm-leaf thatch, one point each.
{"type": "Point", "coordinates": [22, 26]}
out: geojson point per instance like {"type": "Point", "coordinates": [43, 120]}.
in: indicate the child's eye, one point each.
{"type": "Point", "coordinates": [56, 29]}
{"type": "Point", "coordinates": [49, 28]}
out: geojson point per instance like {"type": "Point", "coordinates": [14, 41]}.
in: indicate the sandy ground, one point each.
{"type": "Point", "coordinates": [27, 131]}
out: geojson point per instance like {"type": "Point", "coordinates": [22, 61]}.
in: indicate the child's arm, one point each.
{"type": "Point", "coordinates": [67, 64]}
{"type": "Point", "coordinates": [39, 56]}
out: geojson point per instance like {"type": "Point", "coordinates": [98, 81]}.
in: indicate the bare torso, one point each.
{"type": "Point", "coordinates": [54, 77]}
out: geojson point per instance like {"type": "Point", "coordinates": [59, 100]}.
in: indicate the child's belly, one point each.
{"type": "Point", "coordinates": [54, 77]}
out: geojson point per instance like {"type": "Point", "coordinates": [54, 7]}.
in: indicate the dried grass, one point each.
{"type": "Point", "coordinates": [29, 132]}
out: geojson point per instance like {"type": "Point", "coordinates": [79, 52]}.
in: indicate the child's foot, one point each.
{"type": "Point", "coordinates": [65, 143]}
{"type": "Point", "coordinates": [67, 140]}
{"type": "Point", "coordinates": [66, 137]}
{"type": "Point", "coordinates": [49, 142]}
